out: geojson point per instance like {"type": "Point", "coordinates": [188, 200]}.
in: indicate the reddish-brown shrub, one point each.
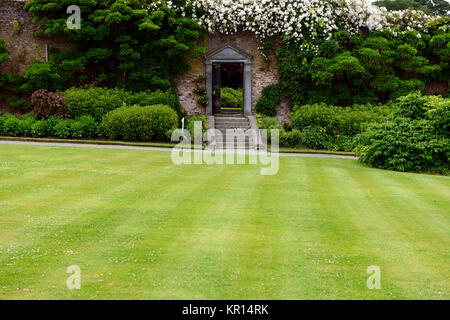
{"type": "Point", "coordinates": [46, 104]}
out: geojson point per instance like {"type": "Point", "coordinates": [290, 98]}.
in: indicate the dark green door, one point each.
{"type": "Point", "coordinates": [216, 86]}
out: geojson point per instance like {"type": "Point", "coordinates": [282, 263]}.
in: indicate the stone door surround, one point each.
{"type": "Point", "coordinates": [229, 54]}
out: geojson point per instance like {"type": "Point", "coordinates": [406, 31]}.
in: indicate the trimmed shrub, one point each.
{"type": "Point", "coordinates": [26, 124]}
{"type": "Point", "coordinates": [12, 126]}
{"type": "Point", "coordinates": [140, 123]}
{"type": "Point", "coordinates": [347, 121]}
{"type": "Point", "coordinates": [2, 121]}
{"type": "Point", "coordinates": [97, 102]}
{"type": "Point", "coordinates": [269, 99]}
{"type": "Point", "coordinates": [62, 128]}
{"type": "Point", "coordinates": [46, 104]}
{"type": "Point", "coordinates": [39, 129]}
{"type": "Point", "coordinates": [84, 127]}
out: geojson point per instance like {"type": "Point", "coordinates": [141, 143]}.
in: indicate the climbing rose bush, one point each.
{"type": "Point", "coordinates": [294, 19]}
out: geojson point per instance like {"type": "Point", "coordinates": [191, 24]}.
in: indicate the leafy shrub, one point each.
{"type": "Point", "coordinates": [83, 127]}
{"type": "Point", "coordinates": [231, 98]}
{"type": "Point", "coordinates": [340, 143]}
{"type": "Point", "coordinates": [190, 123]}
{"type": "Point", "coordinates": [315, 137]}
{"type": "Point", "coordinates": [62, 128]}
{"type": "Point", "coordinates": [39, 129]}
{"type": "Point", "coordinates": [12, 126]}
{"type": "Point", "coordinates": [266, 122]}
{"type": "Point", "coordinates": [347, 121]}
{"type": "Point", "coordinates": [96, 102]}
{"type": "Point", "coordinates": [439, 114]}
{"type": "Point", "coordinates": [41, 75]}
{"type": "Point", "coordinates": [417, 139]}
{"type": "Point", "coordinates": [139, 123]}
{"type": "Point", "coordinates": [2, 120]}
{"type": "Point", "coordinates": [26, 124]}
{"type": "Point", "coordinates": [48, 104]}
{"type": "Point", "coordinates": [403, 144]}
{"type": "Point", "coordinates": [270, 98]}
{"type": "Point", "coordinates": [292, 138]}
{"type": "Point", "coordinates": [269, 123]}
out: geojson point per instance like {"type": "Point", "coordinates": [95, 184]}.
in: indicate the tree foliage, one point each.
{"type": "Point", "coordinates": [383, 66]}
{"type": "Point", "coordinates": [137, 45]}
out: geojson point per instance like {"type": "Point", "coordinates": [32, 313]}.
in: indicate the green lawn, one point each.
{"type": "Point", "coordinates": [142, 228]}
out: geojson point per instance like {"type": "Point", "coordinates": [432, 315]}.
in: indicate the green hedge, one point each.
{"type": "Point", "coordinates": [347, 121]}
{"type": "Point", "coordinates": [140, 123]}
{"type": "Point", "coordinates": [28, 126]}
{"type": "Point", "coordinates": [97, 102]}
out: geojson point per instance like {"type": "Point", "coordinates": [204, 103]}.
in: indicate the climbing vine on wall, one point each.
{"type": "Point", "coordinates": [133, 44]}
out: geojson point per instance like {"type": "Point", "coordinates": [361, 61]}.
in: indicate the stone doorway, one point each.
{"type": "Point", "coordinates": [227, 67]}
{"type": "Point", "coordinates": [228, 84]}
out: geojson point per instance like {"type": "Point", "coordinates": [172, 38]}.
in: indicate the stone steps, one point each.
{"type": "Point", "coordinates": [237, 126]}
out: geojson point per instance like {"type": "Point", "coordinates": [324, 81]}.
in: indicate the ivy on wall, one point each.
{"type": "Point", "coordinates": [137, 45]}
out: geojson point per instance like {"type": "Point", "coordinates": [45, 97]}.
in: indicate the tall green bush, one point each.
{"type": "Point", "coordinates": [417, 139]}
{"type": "Point", "coordinates": [140, 123]}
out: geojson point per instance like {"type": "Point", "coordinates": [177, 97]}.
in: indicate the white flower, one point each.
{"type": "Point", "coordinates": [298, 19]}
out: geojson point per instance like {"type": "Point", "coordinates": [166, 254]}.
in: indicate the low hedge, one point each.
{"type": "Point", "coordinates": [345, 121]}
{"type": "Point", "coordinates": [28, 126]}
{"type": "Point", "coordinates": [97, 102]}
{"type": "Point", "coordinates": [140, 123]}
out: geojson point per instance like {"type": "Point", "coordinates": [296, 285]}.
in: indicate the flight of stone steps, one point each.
{"type": "Point", "coordinates": [238, 125]}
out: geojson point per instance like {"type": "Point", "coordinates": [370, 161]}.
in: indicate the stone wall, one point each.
{"type": "Point", "coordinates": [17, 28]}
{"type": "Point", "coordinates": [263, 73]}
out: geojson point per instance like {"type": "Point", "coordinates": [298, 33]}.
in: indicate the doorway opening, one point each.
{"type": "Point", "coordinates": [228, 87]}
{"type": "Point", "coordinates": [228, 67]}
